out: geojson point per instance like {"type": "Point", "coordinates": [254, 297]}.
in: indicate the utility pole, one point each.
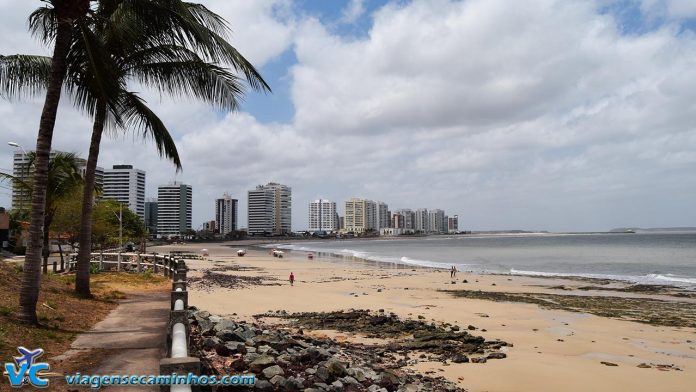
{"type": "Point", "coordinates": [120, 225]}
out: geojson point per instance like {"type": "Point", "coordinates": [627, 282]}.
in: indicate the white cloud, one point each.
{"type": "Point", "coordinates": [352, 11]}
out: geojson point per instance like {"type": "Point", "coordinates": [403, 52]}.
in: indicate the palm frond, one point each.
{"type": "Point", "coordinates": [23, 75]}
{"type": "Point", "coordinates": [139, 116]}
{"type": "Point", "coordinates": [43, 24]}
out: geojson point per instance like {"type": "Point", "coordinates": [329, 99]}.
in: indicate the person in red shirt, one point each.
{"type": "Point", "coordinates": [292, 279]}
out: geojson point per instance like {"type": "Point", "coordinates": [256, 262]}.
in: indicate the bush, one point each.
{"type": "Point", "coordinates": [93, 268]}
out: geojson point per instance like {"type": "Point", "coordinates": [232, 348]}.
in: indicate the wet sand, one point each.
{"type": "Point", "coordinates": [553, 349]}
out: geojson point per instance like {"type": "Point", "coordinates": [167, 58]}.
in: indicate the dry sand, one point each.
{"type": "Point", "coordinates": [553, 350]}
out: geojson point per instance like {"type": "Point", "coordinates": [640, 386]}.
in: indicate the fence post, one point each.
{"type": "Point", "coordinates": [101, 260]}
{"type": "Point", "coordinates": [140, 261]}
{"type": "Point", "coordinates": [118, 263]}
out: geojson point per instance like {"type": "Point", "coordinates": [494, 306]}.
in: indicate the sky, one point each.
{"type": "Point", "coordinates": [559, 115]}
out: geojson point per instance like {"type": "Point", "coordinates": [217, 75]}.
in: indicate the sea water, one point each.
{"type": "Point", "coordinates": [651, 258]}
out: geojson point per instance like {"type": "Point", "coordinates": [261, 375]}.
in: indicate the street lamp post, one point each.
{"type": "Point", "coordinates": [120, 225]}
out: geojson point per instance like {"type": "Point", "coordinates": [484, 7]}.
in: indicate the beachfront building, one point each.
{"type": "Point", "coordinates": [453, 224]}
{"type": "Point", "coordinates": [270, 209]}
{"type": "Point", "coordinates": [420, 223]}
{"type": "Point", "coordinates": [126, 185]}
{"type": "Point", "coordinates": [22, 169]}
{"type": "Point", "coordinates": [436, 221]}
{"type": "Point", "coordinates": [383, 215]}
{"type": "Point", "coordinates": [322, 215]}
{"type": "Point", "coordinates": [407, 216]}
{"type": "Point", "coordinates": [174, 209]}
{"type": "Point", "coordinates": [360, 216]}
{"type": "Point", "coordinates": [151, 216]}
{"type": "Point", "coordinates": [225, 214]}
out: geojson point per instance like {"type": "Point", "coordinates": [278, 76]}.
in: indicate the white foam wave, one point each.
{"type": "Point", "coordinates": [643, 279]}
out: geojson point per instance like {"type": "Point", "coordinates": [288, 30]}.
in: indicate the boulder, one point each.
{"type": "Point", "coordinates": [273, 371]}
{"type": "Point", "coordinates": [261, 362]}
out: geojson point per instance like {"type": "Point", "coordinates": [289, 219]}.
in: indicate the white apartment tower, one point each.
{"type": "Point", "coordinates": [127, 185]}
{"type": "Point", "coordinates": [436, 221]}
{"type": "Point", "coordinates": [174, 209]}
{"type": "Point", "coordinates": [270, 209]}
{"type": "Point", "coordinates": [420, 223]}
{"type": "Point", "coordinates": [322, 215]}
{"type": "Point", "coordinates": [21, 168]}
{"type": "Point", "coordinates": [226, 214]}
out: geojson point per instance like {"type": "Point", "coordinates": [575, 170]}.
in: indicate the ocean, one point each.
{"type": "Point", "coordinates": [648, 258]}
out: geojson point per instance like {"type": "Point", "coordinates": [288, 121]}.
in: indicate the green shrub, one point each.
{"type": "Point", "coordinates": [93, 269]}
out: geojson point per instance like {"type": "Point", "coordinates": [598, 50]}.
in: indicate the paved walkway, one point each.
{"type": "Point", "coordinates": [133, 335]}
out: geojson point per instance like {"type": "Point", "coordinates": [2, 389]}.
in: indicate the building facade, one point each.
{"type": "Point", "coordinates": [174, 209]}
{"type": "Point", "coordinates": [126, 185]}
{"type": "Point", "coordinates": [436, 221]}
{"type": "Point", "coordinates": [322, 215]}
{"type": "Point", "coordinates": [151, 216]}
{"type": "Point", "coordinates": [22, 169]}
{"type": "Point", "coordinates": [226, 214]}
{"type": "Point", "coordinates": [383, 216]}
{"type": "Point", "coordinates": [270, 209]}
{"type": "Point", "coordinates": [360, 216]}
{"type": "Point", "coordinates": [453, 224]}
{"type": "Point", "coordinates": [420, 222]}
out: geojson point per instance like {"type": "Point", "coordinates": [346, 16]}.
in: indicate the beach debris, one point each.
{"type": "Point", "coordinates": [605, 363]}
{"type": "Point", "coordinates": [210, 280]}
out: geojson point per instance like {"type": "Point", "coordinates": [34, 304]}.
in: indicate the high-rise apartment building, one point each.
{"type": "Point", "coordinates": [270, 209]}
{"type": "Point", "coordinates": [151, 216]}
{"type": "Point", "coordinates": [436, 221]}
{"type": "Point", "coordinates": [360, 216]}
{"type": "Point", "coordinates": [226, 214]}
{"type": "Point", "coordinates": [174, 209]}
{"type": "Point", "coordinates": [21, 168]}
{"type": "Point", "coordinates": [322, 215]}
{"type": "Point", "coordinates": [420, 223]}
{"type": "Point", "coordinates": [383, 216]}
{"type": "Point", "coordinates": [127, 185]}
{"type": "Point", "coordinates": [453, 224]}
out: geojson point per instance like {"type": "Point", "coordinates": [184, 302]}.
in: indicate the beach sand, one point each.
{"type": "Point", "coordinates": [553, 350]}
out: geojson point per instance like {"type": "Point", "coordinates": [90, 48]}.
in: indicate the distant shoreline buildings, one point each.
{"type": "Point", "coordinates": [174, 209]}
{"type": "Point", "coordinates": [270, 210]}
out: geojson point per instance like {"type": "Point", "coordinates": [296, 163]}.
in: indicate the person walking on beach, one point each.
{"type": "Point", "coordinates": [292, 279]}
{"type": "Point", "coordinates": [453, 272]}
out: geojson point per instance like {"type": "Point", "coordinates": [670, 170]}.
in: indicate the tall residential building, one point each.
{"type": "Point", "coordinates": [226, 214]}
{"type": "Point", "coordinates": [322, 215]}
{"type": "Point", "coordinates": [436, 219]}
{"type": "Point", "coordinates": [420, 223]}
{"type": "Point", "coordinates": [409, 218]}
{"type": "Point", "coordinates": [270, 209]}
{"type": "Point", "coordinates": [174, 209]}
{"type": "Point", "coordinates": [127, 185]}
{"type": "Point", "coordinates": [21, 199]}
{"type": "Point", "coordinates": [383, 215]}
{"type": "Point", "coordinates": [453, 224]}
{"type": "Point", "coordinates": [397, 220]}
{"type": "Point", "coordinates": [360, 216]}
{"type": "Point", "coordinates": [151, 216]}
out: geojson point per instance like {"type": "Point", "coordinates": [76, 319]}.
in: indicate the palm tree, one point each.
{"type": "Point", "coordinates": [156, 43]}
{"type": "Point", "coordinates": [64, 178]}
{"type": "Point", "coordinates": [67, 14]}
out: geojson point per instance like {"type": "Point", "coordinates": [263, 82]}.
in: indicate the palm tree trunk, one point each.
{"type": "Point", "coordinates": [85, 252]}
{"type": "Point", "coordinates": [31, 279]}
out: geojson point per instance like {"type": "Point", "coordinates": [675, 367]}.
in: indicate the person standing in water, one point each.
{"type": "Point", "coordinates": [292, 279]}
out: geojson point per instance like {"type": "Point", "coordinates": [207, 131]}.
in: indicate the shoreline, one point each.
{"type": "Point", "coordinates": [565, 345]}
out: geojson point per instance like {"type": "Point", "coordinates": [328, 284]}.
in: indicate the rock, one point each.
{"type": "Point", "coordinates": [322, 386]}
{"type": "Point", "coordinates": [409, 388]}
{"type": "Point", "coordinates": [238, 364]}
{"type": "Point", "coordinates": [357, 373]}
{"type": "Point", "coordinates": [348, 380]}
{"type": "Point", "coordinates": [294, 384]}
{"type": "Point", "coordinates": [465, 281]}
{"type": "Point", "coordinates": [206, 326]}
{"type": "Point", "coordinates": [389, 379]}
{"type": "Point", "coordinates": [261, 363]}
{"type": "Point", "coordinates": [605, 363]}
{"type": "Point", "coordinates": [202, 314]}
{"type": "Point", "coordinates": [323, 373]}
{"type": "Point", "coordinates": [420, 317]}
{"type": "Point", "coordinates": [263, 385]}
{"type": "Point", "coordinates": [376, 388]}
{"type": "Point", "coordinates": [236, 348]}
{"type": "Point", "coordinates": [230, 336]}
{"type": "Point", "coordinates": [379, 290]}
{"type": "Point", "coordinates": [478, 360]}
{"type": "Point", "coordinates": [272, 371]}
{"type": "Point", "coordinates": [471, 328]}
{"type": "Point", "coordinates": [460, 358]}
{"type": "Point", "coordinates": [278, 380]}
{"type": "Point", "coordinates": [246, 333]}
{"type": "Point", "coordinates": [644, 366]}
{"type": "Point", "coordinates": [496, 355]}
{"type": "Point", "coordinates": [215, 319]}
{"type": "Point", "coordinates": [455, 328]}
{"type": "Point", "coordinates": [335, 367]}
{"type": "Point", "coordinates": [337, 385]}
{"type": "Point", "coordinates": [225, 325]}
{"type": "Point", "coordinates": [210, 343]}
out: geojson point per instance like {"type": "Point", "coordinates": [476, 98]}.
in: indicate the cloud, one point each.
{"type": "Point", "coordinates": [352, 11]}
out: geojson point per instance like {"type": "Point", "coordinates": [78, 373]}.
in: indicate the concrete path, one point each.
{"type": "Point", "coordinates": [133, 335]}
